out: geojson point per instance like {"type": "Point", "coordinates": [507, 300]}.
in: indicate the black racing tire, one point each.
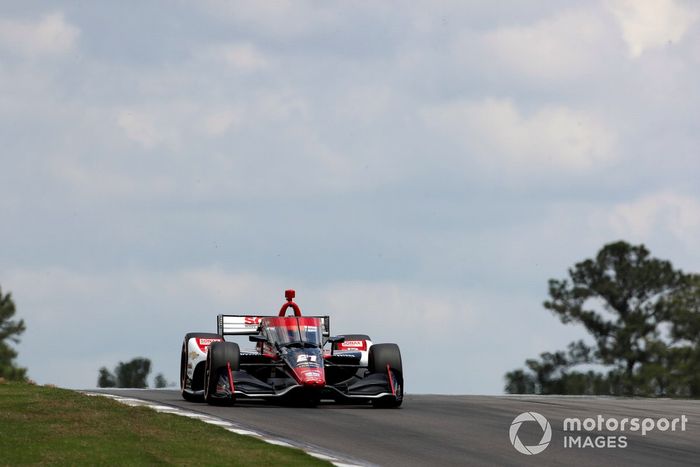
{"type": "Point", "coordinates": [219, 355]}
{"type": "Point", "coordinates": [356, 337]}
{"type": "Point", "coordinates": [381, 355]}
{"type": "Point", "coordinates": [184, 360]}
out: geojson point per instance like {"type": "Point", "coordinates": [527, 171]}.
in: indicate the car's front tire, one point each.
{"type": "Point", "coordinates": [386, 359]}
{"type": "Point", "coordinates": [219, 357]}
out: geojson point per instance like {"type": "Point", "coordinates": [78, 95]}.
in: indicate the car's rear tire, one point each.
{"type": "Point", "coordinates": [356, 337]}
{"type": "Point", "coordinates": [219, 356]}
{"type": "Point", "coordinates": [386, 359]}
{"type": "Point", "coordinates": [184, 361]}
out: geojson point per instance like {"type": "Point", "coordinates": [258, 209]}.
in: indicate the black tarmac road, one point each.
{"type": "Point", "coordinates": [474, 430]}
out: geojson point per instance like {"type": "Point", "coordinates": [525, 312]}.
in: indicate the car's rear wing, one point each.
{"type": "Point", "coordinates": [242, 325]}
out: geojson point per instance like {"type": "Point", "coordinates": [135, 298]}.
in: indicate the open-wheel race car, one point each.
{"type": "Point", "coordinates": [289, 362]}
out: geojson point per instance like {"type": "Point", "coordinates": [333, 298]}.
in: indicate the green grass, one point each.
{"type": "Point", "coordinates": [42, 425]}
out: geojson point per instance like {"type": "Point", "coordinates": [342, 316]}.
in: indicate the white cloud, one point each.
{"type": "Point", "coordinates": [567, 45]}
{"type": "Point", "coordinates": [223, 289]}
{"type": "Point", "coordinates": [551, 138]}
{"type": "Point", "coordinates": [659, 213]}
{"type": "Point", "coordinates": [275, 17]}
{"type": "Point", "coordinates": [652, 23]}
{"type": "Point", "coordinates": [242, 57]}
{"type": "Point", "coordinates": [141, 127]}
{"type": "Point", "coordinates": [51, 35]}
{"type": "Point", "coordinates": [169, 130]}
{"type": "Point", "coordinates": [218, 123]}
{"type": "Point", "coordinates": [279, 104]}
{"type": "Point", "coordinates": [89, 181]}
{"type": "Point", "coordinates": [366, 103]}
{"type": "Point", "coordinates": [415, 314]}
{"type": "Point", "coordinates": [177, 122]}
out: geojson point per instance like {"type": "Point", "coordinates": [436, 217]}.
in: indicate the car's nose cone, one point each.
{"type": "Point", "coordinates": [311, 377]}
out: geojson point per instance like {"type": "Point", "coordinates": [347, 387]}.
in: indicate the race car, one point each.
{"type": "Point", "coordinates": [289, 363]}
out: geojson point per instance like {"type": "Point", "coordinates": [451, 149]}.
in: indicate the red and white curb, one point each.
{"type": "Point", "coordinates": [227, 425]}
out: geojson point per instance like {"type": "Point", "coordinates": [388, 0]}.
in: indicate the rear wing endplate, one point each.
{"type": "Point", "coordinates": [247, 325]}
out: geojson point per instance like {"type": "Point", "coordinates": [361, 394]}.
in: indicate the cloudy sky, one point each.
{"type": "Point", "coordinates": [417, 170]}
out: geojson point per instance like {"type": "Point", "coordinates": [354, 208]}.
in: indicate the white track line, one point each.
{"type": "Point", "coordinates": [230, 426]}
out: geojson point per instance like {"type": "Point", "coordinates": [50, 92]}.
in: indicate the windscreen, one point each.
{"type": "Point", "coordinates": [293, 330]}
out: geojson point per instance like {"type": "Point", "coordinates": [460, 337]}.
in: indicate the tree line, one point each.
{"type": "Point", "coordinates": [131, 374]}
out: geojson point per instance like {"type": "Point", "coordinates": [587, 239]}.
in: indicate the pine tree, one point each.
{"type": "Point", "coordinates": [643, 317]}
{"type": "Point", "coordinates": [9, 331]}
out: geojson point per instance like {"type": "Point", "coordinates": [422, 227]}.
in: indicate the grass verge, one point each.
{"type": "Point", "coordinates": [43, 425]}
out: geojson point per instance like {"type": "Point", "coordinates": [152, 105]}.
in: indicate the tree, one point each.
{"type": "Point", "coordinates": [106, 379]}
{"type": "Point", "coordinates": [9, 331]}
{"type": "Point", "coordinates": [626, 301]}
{"type": "Point", "coordinates": [131, 374]}
{"type": "Point", "coordinates": [684, 354]}
{"type": "Point", "coordinates": [160, 381]}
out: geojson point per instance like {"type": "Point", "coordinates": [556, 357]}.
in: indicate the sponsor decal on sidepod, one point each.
{"type": "Point", "coordinates": [204, 343]}
{"type": "Point", "coordinates": [353, 345]}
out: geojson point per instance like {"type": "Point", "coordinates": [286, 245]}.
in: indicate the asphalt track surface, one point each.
{"type": "Point", "coordinates": [464, 430]}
